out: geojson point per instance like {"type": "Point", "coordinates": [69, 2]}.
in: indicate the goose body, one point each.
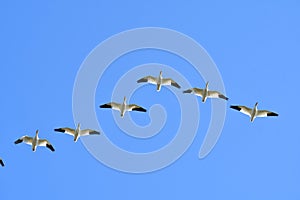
{"type": "Point", "coordinates": [123, 107]}
{"type": "Point", "coordinates": [254, 112]}
{"type": "Point", "coordinates": [35, 141]}
{"type": "Point", "coordinates": [205, 93]}
{"type": "Point", "coordinates": [1, 162]}
{"type": "Point", "coordinates": [158, 81]}
{"type": "Point", "coordinates": [76, 133]}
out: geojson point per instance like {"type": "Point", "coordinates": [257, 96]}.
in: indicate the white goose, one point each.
{"type": "Point", "coordinates": [253, 113]}
{"type": "Point", "coordinates": [205, 93]}
{"type": "Point", "coordinates": [159, 81]}
{"type": "Point", "coordinates": [123, 107]}
{"type": "Point", "coordinates": [35, 141]}
{"type": "Point", "coordinates": [1, 162]}
{"type": "Point", "coordinates": [76, 133]}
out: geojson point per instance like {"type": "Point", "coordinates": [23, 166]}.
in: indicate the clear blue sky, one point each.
{"type": "Point", "coordinates": [255, 46]}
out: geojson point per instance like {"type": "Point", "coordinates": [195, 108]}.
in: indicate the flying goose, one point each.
{"type": "Point", "coordinates": [205, 93]}
{"type": "Point", "coordinates": [123, 107]}
{"type": "Point", "coordinates": [76, 133]}
{"type": "Point", "coordinates": [158, 81]}
{"type": "Point", "coordinates": [35, 141]}
{"type": "Point", "coordinates": [253, 113]}
{"type": "Point", "coordinates": [1, 162]}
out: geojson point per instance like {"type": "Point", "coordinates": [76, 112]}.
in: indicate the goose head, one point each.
{"type": "Point", "coordinates": [160, 73]}
{"type": "Point", "coordinates": [124, 100]}
{"type": "Point", "coordinates": [78, 125]}
{"type": "Point", "coordinates": [256, 104]}
{"type": "Point", "coordinates": [36, 132]}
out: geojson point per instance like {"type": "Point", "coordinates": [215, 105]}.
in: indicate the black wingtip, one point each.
{"type": "Point", "coordinates": [223, 97]}
{"type": "Point", "coordinates": [176, 85]}
{"type": "Point", "coordinates": [140, 109]}
{"type": "Point", "coordinates": [1, 163]}
{"type": "Point", "coordinates": [235, 107]}
{"type": "Point", "coordinates": [272, 114]}
{"type": "Point", "coordinates": [142, 80]}
{"type": "Point", "coordinates": [18, 141]}
{"type": "Point", "coordinates": [50, 147]}
{"type": "Point", "coordinates": [59, 130]}
{"type": "Point", "coordinates": [105, 106]}
{"type": "Point", "coordinates": [187, 91]}
{"type": "Point", "coordinates": [94, 133]}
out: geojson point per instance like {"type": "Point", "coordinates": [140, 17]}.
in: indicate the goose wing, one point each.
{"type": "Point", "coordinates": [216, 94]}
{"type": "Point", "coordinates": [265, 113]}
{"type": "Point", "coordinates": [242, 109]}
{"type": "Point", "coordinates": [66, 130]}
{"type": "Point", "coordinates": [26, 139]}
{"type": "Point", "coordinates": [147, 79]}
{"type": "Point", "coordinates": [134, 107]}
{"type": "Point", "coordinates": [1, 162]}
{"type": "Point", "coordinates": [196, 91]}
{"type": "Point", "coordinates": [112, 105]}
{"type": "Point", "coordinates": [168, 81]}
{"type": "Point", "coordinates": [89, 132]}
{"type": "Point", "coordinates": [45, 143]}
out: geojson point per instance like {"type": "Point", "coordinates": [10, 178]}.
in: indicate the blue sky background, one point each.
{"type": "Point", "coordinates": [255, 46]}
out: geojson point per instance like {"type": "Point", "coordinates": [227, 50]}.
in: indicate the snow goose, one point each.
{"type": "Point", "coordinates": [159, 81]}
{"type": "Point", "coordinates": [35, 141]}
{"type": "Point", "coordinates": [253, 113]}
{"type": "Point", "coordinates": [205, 93]}
{"type": "Point", "coordinates": [123, 107]}
{"type": "Point", "coordinates": [1, 162]}
{"type": "Point", "coordinates": [76, 133]}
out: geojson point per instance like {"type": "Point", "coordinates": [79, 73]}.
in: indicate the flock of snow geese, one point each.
{"type": "Point", "coordinates": [159, 81]}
